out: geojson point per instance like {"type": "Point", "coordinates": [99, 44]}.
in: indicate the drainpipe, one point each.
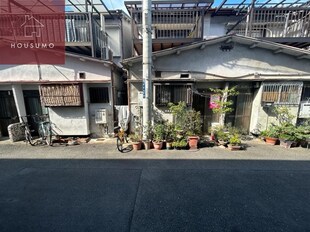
{"type": "Point", "coordinates": [147, 64]}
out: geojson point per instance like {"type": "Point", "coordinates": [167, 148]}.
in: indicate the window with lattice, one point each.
{"type": "Point", "coordinates": [61, 95]}
{"type": "Point", "coordinates": [282, 93]}
{"type": "Point", "coordinates": [172, 93]}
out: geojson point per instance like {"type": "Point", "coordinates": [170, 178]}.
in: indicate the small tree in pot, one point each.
{"type": "Point", "coordinates": [272, 135]}
{"type": "Point", "coordinates": [170, 135]}
{"type": "Point", "coordinates": [234, 143]}
{"type": "Point", "coordinates": [224, 106]}
{"type": "Point", "coordinates": [135, 141]}
{"type": "Point", "coordinates": [159, 135]}
{"type": "Point", "coordinates": [187, 122]}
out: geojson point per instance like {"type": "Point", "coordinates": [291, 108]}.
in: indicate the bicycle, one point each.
{"type": "Point", "coordinates": [28, 136]}
{"type": "Point", "coordinates": [44, 128]}
{"type": "Point", "coordinates": [122, 140]}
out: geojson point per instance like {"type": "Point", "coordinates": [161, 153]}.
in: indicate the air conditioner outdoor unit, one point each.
{"type": "Point", "coordinates": [101, 116]}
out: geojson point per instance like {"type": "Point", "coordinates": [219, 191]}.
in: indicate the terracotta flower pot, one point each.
{"type": "Point", "coordinates": [271, 141]}
{"type": "Point", "coordinates": [136, 145]}
{"type": "Point", "coordinates": [193, 142]}
{"type": "Point", "coordinates": [233, 147]}
{"type": "Point", "coordinates": [287, 143]}
{"type": "Point", "coordinates": [158, 145]}
{"type": "Point", "coordinates": [147, 145]}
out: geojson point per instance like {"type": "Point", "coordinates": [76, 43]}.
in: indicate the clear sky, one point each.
{"type": "Point", "coordinates": [115, 4]}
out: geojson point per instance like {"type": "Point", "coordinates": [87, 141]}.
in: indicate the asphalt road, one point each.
{"type": "Point", "coordinates": [144, 195]}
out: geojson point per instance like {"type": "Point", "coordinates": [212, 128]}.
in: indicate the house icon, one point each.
{"type": "Point", "coordinates": [32, 27]}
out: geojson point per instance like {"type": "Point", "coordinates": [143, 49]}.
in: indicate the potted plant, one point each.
{"type": "Point", "coordinates": [135, 141]}
{"type": "Point", "coordinates": [179, 145]}
{"type": "Point", "coordinates": [271, 135]}
{"type": "Point", "coordinates": [148, 142]}
{"type": "Point", "coordinates": [302, 133]}
{"type": "Point", "coordinates": [234, 142]}
{"type": "Point", "coordinates": [222, 136]}
{"type": "Point", "coordinates": [223, 105]}
{"type": "Point", "coordinates": [159, 135]}
{"type": "Point", "coordinates": [193, 122]}
{"type": "Point", "coordinates": [187, 123]}
{"type": "Point", "coordinates": [170, 135]}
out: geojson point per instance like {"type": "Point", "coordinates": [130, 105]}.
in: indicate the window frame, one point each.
{"type": "Point", "coordinates": [187, 86]}
{"type": "Point", "coordinates": [99, 101]}
{"type": "Point", "coordinates": [275, 92]}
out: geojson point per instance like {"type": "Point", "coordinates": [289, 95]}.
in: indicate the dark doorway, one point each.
{"type": "Point", "coordinates": [33, 107]}
{"type": "Point", "coordinates": [201, 102]}
{"type": "Point", "coordinates": [8, 111]}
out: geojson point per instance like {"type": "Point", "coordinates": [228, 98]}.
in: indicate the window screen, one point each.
{"type": "Point", "coordinates": [99, 94]}
{"type": "Point", "coordinates": [172, 93]}
{"type": "Point", "coordinates": [281, 93]}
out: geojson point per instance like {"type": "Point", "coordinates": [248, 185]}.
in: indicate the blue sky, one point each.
{"type": "Point", "coordinates": [115, 4]}
{"type": "Point", "coordinates": [119, 4]}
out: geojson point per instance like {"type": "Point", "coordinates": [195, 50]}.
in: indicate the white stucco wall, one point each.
{"type": "Point", "coordinates": [240, 64]}
{"type": "Point", "coordinates": [68, 120]}
{"type": "Point", "coordinates": [262, 117]}
{"type": "Point", "coordinates": [95, 71]}
{"type": "Point", "coordinates": [240, 61]}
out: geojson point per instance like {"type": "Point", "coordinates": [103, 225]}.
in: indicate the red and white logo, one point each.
{"type": "Point", "coordinates": [32, 32]}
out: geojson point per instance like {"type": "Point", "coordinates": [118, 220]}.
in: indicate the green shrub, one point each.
{"type": "Point", "coordinates": [235, 140]}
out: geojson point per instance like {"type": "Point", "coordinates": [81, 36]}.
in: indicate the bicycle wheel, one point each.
{"type": "Point", "coordinates": [119, 144]}
{"type": "Point", "coordinates": [29, 137]}
{"type": "Point", "coordinates": [123, 145]}
{"type": "Point", "coordinates": [48, 138]}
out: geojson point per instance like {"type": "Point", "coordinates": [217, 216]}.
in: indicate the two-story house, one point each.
{"type": "Point", "coordinates": [197, 47]}
{"type": "Point", "coordinates": [86, 87]}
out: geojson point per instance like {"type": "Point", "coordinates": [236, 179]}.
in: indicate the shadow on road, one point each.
{"type": "Point", "coordinates": [154, 195]}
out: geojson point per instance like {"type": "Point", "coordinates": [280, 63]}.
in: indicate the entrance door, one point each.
{"type": "Point", "coordinates": [241, 116]}
{"type": "Point", "coordinates": [201, 103]}
{"type": "Point", "coordinates": [33, 106]}
{"type": "Point", "coordinates": [8, 111]}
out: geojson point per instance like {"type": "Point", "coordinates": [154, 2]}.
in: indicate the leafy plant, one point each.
{"type": "Point", "coordinates": [170, 133]}
{"type": "Point", "coordinates": [159, 132]}
{"type": "Point", "coordinates": [135, 137]}
{"type": "Point", "coordinates": [187, 121]}
{"type": "Point", "coordinates": [222, 135]}
{"type": "Point", "coordinates": [179, 112]}
{"type": "Point", "coordinates": [193, 122]}
{"type": "Point", "coordinates": [224, 106]}
{"type": "Point", "coordinates": [235, 140]}
{"type": "Point", "coordinates": [272, 132]}
{"type": "Point", "coordinates": [283, 115]}
{"type": "Point", "coordinates": [182, 143]}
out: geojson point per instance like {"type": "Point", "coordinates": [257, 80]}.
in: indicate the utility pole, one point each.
{"type": "Point", "coordinates": [147, 65]}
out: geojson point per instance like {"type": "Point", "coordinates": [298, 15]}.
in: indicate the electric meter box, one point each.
{"type": "Point", "coordinates": [101, 116]}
